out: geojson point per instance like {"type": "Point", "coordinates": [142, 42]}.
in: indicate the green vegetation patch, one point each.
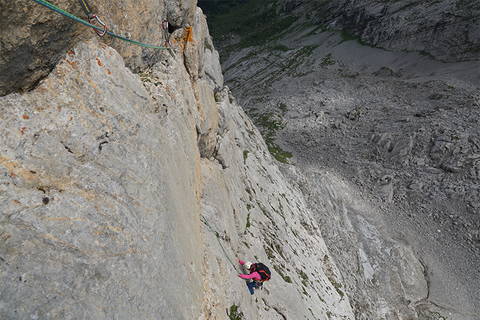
{"type": "Point", "coordinates": [285, 277]}
{"type": "Point", "coordinates": [337, 286]}
{"type": "Point", "coordinates": [234, 313]}
{"type": "Point", "coordinates": [298, 58]}
{"type": "Point", "coordinates": [269, 253]}
{"type": "Point", "coordinates": [425, 314]}
{"type": "Point", "coordinates": [328, 60]}
{"type": "Point", "coordinates": [270, 123]}
{"type": "Point", "coordinates": [304, 277]}
{"type": "Point", "coordinates": [255, 21]}
{"type": "Point", "coordinates": [248, 224]}
{"type": "Point", "coordinates": [346, 36]}
{"type": "Point", "coordinates": [279, 154]}
{"type": "Point", "coordinates": [245, 156]}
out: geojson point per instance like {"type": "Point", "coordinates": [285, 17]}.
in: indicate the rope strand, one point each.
{"type": "Point", "coordinates": [217, 236]}
{"type": "Point", "coordinates": [79, 20]}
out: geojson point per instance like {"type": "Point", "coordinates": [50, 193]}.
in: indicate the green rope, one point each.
{"type": "Point", "coordinates": [75, 18]}
{"type": "Point", "coordinates": [218, 236]}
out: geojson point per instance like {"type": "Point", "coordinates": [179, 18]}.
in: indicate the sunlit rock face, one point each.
{"type": "Point", "coordinates": [107, 175]}
{"type": "Point", "coordinates": [131, 180]}
{"type": "Point", "coordinates": [34, 38]}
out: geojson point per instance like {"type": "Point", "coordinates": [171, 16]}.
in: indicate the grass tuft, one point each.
{"type": "Point", "coordinates": [234, 313]}
{"type": "Point", "coordinates": [245, 156]}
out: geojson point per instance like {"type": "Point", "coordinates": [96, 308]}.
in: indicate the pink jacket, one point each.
{"type": "Point", "coordinates": [254, 275]}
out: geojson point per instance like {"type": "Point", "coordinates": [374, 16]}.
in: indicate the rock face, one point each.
{"type": "Point", "coordinates": [33, 38]}
{"type": "Point", "coordinates": [106, 177]}
{"type": "Point", "coordinates": [131, 195]}
{"type": "Point", "coordinates": [257, 214]}
{"type": "Point", "coordinates": [447, 30]}
{"type": "Point", "coordinates": [88, 204]}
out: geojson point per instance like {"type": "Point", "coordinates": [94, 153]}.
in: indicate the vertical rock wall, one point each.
{"type": "Point", "coordinates": [98, 196]}
{"type": "Point", "coordinates": [105, 175]}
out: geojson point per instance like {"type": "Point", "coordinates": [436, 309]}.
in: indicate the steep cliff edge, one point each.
{"type": "Point", "coordinates": [106, 177]}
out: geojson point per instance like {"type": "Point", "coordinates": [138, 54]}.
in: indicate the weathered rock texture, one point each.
{"type": "Point", "coordinates": [33, 38]}
{"type": "Point", "coordinates": [448, 30]}
{"type": "Point", "coordinates": [88, 203]}
{"type": "Point", "coordinates": [131, 195]}
{"type": "Point", "coordinates": [257, 214]}
{"type": "Point", "coordinates": [106, 176]}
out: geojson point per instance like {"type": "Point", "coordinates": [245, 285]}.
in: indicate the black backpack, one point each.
{"type": "Point", "coordinates": [262, 270]}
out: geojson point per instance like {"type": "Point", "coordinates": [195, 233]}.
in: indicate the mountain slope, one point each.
{"type": "Point", "coordinates": [397, 127]}
{"type": "Point", "coordinates": [445, 30]}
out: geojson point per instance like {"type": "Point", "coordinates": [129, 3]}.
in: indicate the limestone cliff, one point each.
{"type": "Point", "coordinates": [106, 175]}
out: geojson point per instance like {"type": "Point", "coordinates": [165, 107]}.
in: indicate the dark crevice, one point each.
{"type": "Point", "coordinates": [100, 146]}
{"type": "Point", "coordinates": [34, 58]}
{"type": "Point", "coordinates": [34, 85]}
{"type": "Point", "coordinates": [217, 157]}
{"type": "Point", "coordinates": [172, 28]}
{"type": "Point", "coordinates": [66, 147]}
{"type": "Point", "coordinates": [104, 136]}
{"type": "Point", "coordinates": [221, 161]}
{"type": "Point", "coordinates": [46, 189]}
{"type": "Point", "coordinates": [279, 313]}
{"type": "Point", "coordinates": [43, 189]}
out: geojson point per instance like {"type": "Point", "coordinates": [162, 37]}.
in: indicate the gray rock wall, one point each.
{"type": "Point", "coordinates": [261, 217]}
{"type": "Point", "coordinates": [447, 30]}
{"type": "Point", "coordinates": [105, 176]}
{"type": "Point", "coordinates": [94, 180]}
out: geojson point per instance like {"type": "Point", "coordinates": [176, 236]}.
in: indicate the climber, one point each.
{"type": "Point", "coordinates": [258, 273]}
